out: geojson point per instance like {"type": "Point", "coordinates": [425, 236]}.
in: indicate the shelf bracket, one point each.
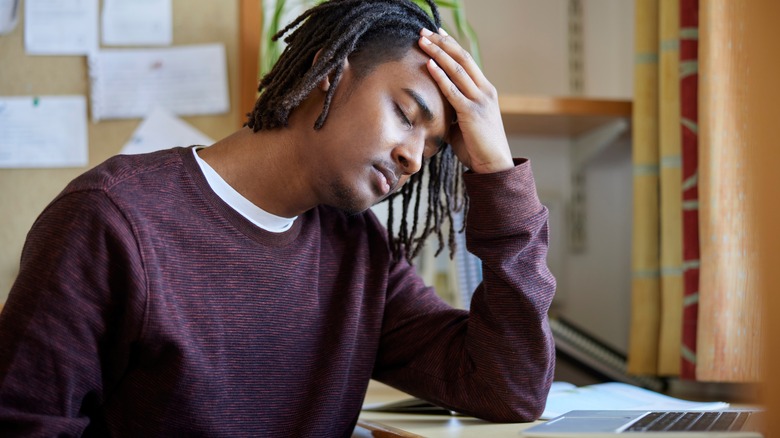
{"type": "Point", "coordinates": [583, 149]}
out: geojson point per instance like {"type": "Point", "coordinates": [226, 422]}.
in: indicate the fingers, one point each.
{"type": "Point", "coordinates": [455, 61]}
{"type": "Point", "coordinates": [451, 91]}
{"type": "Point", "coordinates": [479, 140]}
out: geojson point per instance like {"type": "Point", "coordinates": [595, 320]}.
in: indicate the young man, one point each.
{"type": "Point", "coordinates": [245, 289]}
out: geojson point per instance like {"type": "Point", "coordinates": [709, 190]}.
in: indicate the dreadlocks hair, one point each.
{"type": "Point", "coordinates": [368, 32]}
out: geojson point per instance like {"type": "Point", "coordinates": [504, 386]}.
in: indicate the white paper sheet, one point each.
{"type": "Point", "coordinates": [185, 80]}
{"type": "Point", "coordinates": [9, 15]}
{"type": "Point", "coordinates": [137, 22]}
{"type": "Point", "coordinates": [45, 131]}
{"type": "Point", "coordinates": [163, 130]}
{"type": "Point", "coordinates": [565, 397]}
{"type": "Point", "coordinates": [60, 27]}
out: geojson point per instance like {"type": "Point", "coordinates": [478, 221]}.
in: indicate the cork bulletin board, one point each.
{"type": "Point", "coordinates": [25, 192]}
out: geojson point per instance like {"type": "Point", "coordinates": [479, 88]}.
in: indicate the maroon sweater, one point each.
{"type": "Point", "coordinates": [146, 306]}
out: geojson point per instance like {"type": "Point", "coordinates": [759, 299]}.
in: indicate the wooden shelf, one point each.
{"type": "Point", "coordinates": [592, 124]}
{"type": "Point", "coordinates": [559, 116]}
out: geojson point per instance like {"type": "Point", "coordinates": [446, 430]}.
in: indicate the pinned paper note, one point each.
{"type": "Point", "coordinates": [137, 22]}
{"type": "Point", "coordinates": [60, 27]}
{"type": "Point", "coordinates": [43, 131]}
{"type": "Point", "coordinates": [185, 80]}
{"type": "Point", "coordinates": [9, 15]}
{"type": "Point", "coordinates": [163, 130]}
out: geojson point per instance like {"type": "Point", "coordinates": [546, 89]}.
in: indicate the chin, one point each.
{"type": "Point", "coordinates": [354, 206]}
{"type": "Point", "coordinates": [350, 201]}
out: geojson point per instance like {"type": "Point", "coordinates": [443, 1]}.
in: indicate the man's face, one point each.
{"type": "Point", "coordinates": [378, 132]}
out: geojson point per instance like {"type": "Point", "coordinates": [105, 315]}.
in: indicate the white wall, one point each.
{"type": "Point", "coordinates": [523, 44]}
{"type": "Point", "coordinates": [524, 47]}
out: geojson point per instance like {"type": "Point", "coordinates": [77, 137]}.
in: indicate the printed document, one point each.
{"type": "Point", "coordinates": [565, 397]}
{"type": "Point", "coordinates": [43, 131]}
{"type": "Point", "coordinates": [60, 27]}
{"type": "Point", "coordinates": [137, 22]}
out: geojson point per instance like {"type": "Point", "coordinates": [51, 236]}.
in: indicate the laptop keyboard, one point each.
{"type": "Point", "coordinates": [693, 421]}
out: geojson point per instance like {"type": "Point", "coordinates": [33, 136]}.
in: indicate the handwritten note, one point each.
{"type": "Point", "coordinates": [60, 27]}
{"type": "Point", "coordinates": [185, 80]}
{"type": "Point", "coordinates": [163, 130]}
{"type": "Point", "coordinates": [137, 22]}
{"type": "Point", "coordinates": [45, 131]}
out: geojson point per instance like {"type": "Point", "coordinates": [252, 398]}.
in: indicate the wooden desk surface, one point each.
{"type": "Point", "coordinates": [380, 424]}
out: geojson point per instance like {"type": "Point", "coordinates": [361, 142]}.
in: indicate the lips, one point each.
{"type": "Point", "coordinates": [387, 179]}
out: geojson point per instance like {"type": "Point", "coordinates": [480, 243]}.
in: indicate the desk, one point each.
{"type": "Point", "coordinates": [387, 425]}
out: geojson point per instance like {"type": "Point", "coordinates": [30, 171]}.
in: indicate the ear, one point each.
{"type": "Point", "coordinates": [324, 84]}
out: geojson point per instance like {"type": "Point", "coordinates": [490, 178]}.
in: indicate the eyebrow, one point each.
{"type": "Point", "coordinates": [426, 112]}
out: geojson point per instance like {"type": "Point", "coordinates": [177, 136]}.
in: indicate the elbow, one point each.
{"type": "Point", "coordinates": [531, 411]}
{"type": "Point", "coordinates": [525, 410]}
{"type": "Point", "coordinates": [523, 402]}
{"type": "Point", "coordinates": [526, 399]}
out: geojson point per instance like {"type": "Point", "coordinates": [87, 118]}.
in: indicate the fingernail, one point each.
{"type": "Point", "coordinates": [443, 32]}
{"type": "Point", "coordinates": [426, 32]}
{"type": "Point", "coordinates": [426, 40]}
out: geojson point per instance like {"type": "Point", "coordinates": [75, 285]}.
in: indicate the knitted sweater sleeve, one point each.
{"type": "Point", "coordinates": [495, 361]}
{"type": "Point", "coordinates": [65, 330]}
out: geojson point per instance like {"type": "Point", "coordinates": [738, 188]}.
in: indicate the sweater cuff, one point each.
{"type": "Point", "coordinates": [502, 199]}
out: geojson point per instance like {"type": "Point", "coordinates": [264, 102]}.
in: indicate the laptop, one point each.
{"type": "Point", "coordinates": [667, 424]}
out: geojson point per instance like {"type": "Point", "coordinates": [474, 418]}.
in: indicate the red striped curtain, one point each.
{"type": "Point", "coordinates": [689, 95]}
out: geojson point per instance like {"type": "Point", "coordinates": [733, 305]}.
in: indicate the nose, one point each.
{"type": "Point", "coordinates": [409, 156]}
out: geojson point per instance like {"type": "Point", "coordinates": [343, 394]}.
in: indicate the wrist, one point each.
{"type": "Point", "coordinates": [500, 165]}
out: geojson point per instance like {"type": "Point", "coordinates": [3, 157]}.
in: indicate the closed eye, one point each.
{"type": "Point", "coordinates": [405, 120]}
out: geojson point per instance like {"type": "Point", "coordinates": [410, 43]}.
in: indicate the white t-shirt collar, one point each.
{"type": "Point", "coordinates": [256, 215]}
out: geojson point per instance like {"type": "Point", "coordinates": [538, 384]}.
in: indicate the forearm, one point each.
{"type": "Point", "coordinates": [508, 336]}
{"type": "Point", "coordinates": [495, 362]}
